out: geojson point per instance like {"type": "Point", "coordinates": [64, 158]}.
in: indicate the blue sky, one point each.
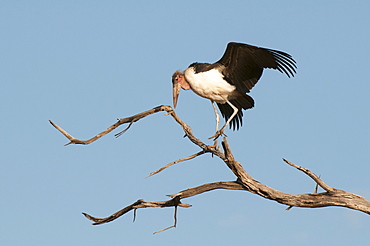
{"type": "Point", "coordinates": [84, 64]}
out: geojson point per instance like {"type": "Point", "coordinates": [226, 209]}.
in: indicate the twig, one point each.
{"type": "Point", "coordinates": [133, 220]}
{"type": "Point", "coordinates": [316, 186]}
{"type": "Point", "coordinates": [174, 217]}
{"type": "Point", "coordinates": [69, 136]}
{"type": "Point", "coordinates": [177, 161]}
{"type": "Point", "coordinates": [311, 175]}
{"type": "Point", "coordinates": [124, 130]}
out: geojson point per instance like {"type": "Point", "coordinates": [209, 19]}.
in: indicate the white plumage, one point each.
{"type": "Point", "coordinates": [210, 84]}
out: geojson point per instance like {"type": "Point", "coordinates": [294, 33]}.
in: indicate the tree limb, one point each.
{"type": "Point", "coordinates": [331, 196]}
{"type": "Point", "coordinates": [119, 122]}
{"type": "Point", "coordinates": [177, 161]}
{"type": "Point", "coordinates": [138, 204]}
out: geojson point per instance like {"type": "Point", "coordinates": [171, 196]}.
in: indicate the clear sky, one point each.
{"type": "Point", "coordinates": [83, 64]}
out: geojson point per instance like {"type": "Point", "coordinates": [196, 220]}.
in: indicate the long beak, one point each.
{"type": "Point", "coordinates": [175, 92]}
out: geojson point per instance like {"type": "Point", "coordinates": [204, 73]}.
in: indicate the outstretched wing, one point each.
{"type": "Point", "coordinates": [243, 64]}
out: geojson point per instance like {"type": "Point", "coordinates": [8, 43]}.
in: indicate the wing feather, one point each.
{"type": "Point", "coordinates": [242, 64]}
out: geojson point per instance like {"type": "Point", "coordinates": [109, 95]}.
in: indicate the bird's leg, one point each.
{"type": "Point", "coordinates": [217, 115]}
{"type": "Point", "coordinates": [215, 141]}
{"type": "Point", "coordinates": [236, 110]}
{"type": "Point", "coordinates": [221, 131]}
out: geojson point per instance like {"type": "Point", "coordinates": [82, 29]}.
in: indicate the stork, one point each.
{"type": "Point", "coordinates": [227, 81]}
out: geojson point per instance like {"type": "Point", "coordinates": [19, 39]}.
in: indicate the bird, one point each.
{"type": "Point", "coordinates": [227, 81]}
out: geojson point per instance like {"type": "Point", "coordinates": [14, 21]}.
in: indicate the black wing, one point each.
{"type": "Point", "coordinates": [243, 64]}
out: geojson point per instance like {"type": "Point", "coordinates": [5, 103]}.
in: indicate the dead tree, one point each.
{"type": "Point", "coordinates": [330, 196]}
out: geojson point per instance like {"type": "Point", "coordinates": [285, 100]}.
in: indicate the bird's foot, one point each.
{"type": "Point", "coordinates": [217, 135]}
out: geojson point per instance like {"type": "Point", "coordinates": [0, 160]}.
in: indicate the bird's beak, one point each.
{"type": "Point", "coordinates": [175, 92]}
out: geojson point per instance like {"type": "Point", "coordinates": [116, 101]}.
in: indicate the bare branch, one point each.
{"type": "Point", "coordinates": [331, 196]}
{"type": "Point", "coordinates": [177, 161]}
{"type": "Point", "coordinates": [138, 204]}
{"type": "Point", "coordinates": [69, 136]}
{"type": "Point", "coordinates": [312, 175]}
{"type": "Point", "coordinates": [174, 202]}
{"type": "Point", "coordinates": [227, 185]}
{"type": "Point", "coordinates": [130, 120]}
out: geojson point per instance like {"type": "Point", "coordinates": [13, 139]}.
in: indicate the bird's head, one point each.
{"type": "Point", "coordinates": [178, 82]}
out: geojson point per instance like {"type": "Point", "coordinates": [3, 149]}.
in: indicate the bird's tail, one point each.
{"type": "Point", "coordinates": [241, 102]}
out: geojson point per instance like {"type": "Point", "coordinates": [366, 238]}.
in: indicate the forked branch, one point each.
{"type": "Point", "coordinates": [119, 122]}
{"type": "Point", "coordinates": [331, 196]}
{"type": "Point", "coordinates": [174, 202]}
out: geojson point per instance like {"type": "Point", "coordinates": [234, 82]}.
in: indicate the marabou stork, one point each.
{"type": "Point", "coordinates": [227, 81]}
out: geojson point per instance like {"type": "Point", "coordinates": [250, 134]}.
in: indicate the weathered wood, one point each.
{"type": "Point", "coordinates": [331, 196]}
